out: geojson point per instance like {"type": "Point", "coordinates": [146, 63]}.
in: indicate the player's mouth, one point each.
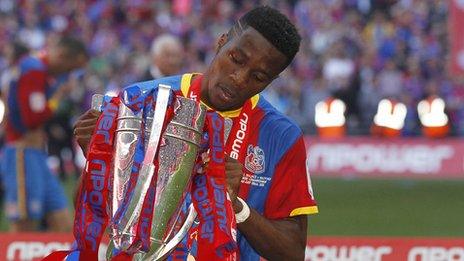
{"type": "Point", "coordinates": [226, 93]}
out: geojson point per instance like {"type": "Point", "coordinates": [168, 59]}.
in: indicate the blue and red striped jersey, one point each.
{"type": "Point", "coordinates": [276, 182]}
{"type": "Point", "coordinates": [26, 95]}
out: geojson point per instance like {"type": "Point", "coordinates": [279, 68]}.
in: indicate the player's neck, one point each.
{"type": "Point", "coordinates": [203, 89]}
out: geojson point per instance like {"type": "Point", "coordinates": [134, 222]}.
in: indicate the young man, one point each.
{"type": "Point", "coordinates": [32, 96]}
{"type": "Point", "coordinates": [269, 185]}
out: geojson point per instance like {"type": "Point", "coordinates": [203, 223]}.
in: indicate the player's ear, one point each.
{"type": "Point", "coordinates": [221, 42]}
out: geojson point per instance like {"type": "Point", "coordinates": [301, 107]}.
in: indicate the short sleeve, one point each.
{"type": "Point", "coordinates": [291, 191]}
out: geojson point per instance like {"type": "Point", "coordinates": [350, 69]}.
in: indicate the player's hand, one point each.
{"type": "Point", "coordinates": [83, 128]}
{"type": "Point", "coordinates": [234, 174]}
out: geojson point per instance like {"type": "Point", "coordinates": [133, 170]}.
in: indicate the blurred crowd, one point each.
{"type": "Point", "coordinates": [357, 50]}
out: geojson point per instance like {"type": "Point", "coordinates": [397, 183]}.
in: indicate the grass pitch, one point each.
{"type": "Point", "coordinates": [388, 207]}
{"type": "Point", "coordinates": [374, 207]}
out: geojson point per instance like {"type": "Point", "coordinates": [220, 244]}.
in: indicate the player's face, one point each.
{"type": "Point", "coordinates": [243, 67]}
{"type": "Point", "coordinates": [62, 61]}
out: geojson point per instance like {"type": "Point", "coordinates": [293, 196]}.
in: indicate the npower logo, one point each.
{"type": "Point", "coordinates": [368, 158]}
{"type": "Point", "coordinates": [436, 254]}
{"type": "Point", "coordinates": [239, 137]}
{"type": "Point", "coordinates": [22, 250]}
{"type": "Point", "coordinates": [384, 253]}
{"type": "Point", "coordinates": [345, 253]}
{"type": "Point", "coordinates": [35, 250]}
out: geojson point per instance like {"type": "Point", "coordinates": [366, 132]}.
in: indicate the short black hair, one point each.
{"type": "Point", "coordinates": [275, 27]}
{"type": "Point", "coordinates": [74, 47]}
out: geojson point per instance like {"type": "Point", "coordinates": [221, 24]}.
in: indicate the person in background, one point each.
{"type": "Point", "coordinates": [166, 57]}
{"type": "Point", "coordinates": [32, 96]}
{"type": "Point", "coordinates": [268, 182]}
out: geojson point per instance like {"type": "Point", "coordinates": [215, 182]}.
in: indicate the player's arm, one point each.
{"type": "Point", "coordinates": [280, 233]}
{"type": "Point", "coordinates": [273, 239]}
{"type": "Point", "coordinates": [281, 239]}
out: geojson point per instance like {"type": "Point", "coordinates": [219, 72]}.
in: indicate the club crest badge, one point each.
{"type": "Point", "coordinates": [255, 161]}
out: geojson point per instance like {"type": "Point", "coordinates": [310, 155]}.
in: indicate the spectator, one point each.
{"type": "Point", "coordinates": [387, 33]}
{"type": "Point", "coordinates": [166, 57]}
{"type": "Point", "coordinates": [33, 95]}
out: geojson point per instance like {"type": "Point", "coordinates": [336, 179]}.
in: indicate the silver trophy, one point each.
{"type": "Point", "coordinates": [178, 151]}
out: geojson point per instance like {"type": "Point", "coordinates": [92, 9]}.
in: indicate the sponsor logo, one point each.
{"type": "Point", "coordinates": [34, 250]}
{"type": "Point", "coordinates": [255, 161]}
{"type": "Point", "coordinates": [332, 253]}
{"type": "Point", "coordinates": [220, 199]}
{"type": "Point", "coordinates": [384, 249]}
{"type": "Point", "coordinates": [30, 250]}
{"type": "Point", "coordinates": [106, 122]}
{"type": "Point", "coordinates": [368, 158]}
{"type": "Point", "coordinates": [95, 199]}
{"type": "Point", "coordinates": [239, 136]}
{"type": "Point", "coordinates": [217, 150]}
{"type": "Point", "coordinates": [436, 253]}
{"type": "Point", "coordinates": [379, 253]}
{"type": "Point", "coordinates": [204, 208]}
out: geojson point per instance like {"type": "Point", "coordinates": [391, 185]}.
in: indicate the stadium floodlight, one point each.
{"type": "Point", "coordinates": [390, 114]}
{"type": "Point", "coordinates": [330, 113]}
{"type": "Point", "coordinates": [389, 119]}
{"type": "Point", "coordinates": [330, 117]}
{"type": "Point", "coordinates": [432, 114]}
{"type": "Point", "coordinates": [433, 118]}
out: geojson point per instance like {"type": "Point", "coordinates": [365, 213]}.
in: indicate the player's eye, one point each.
{"type": "Point", "coordinates": [258, 77]}
{"type": "Point", "coordinates": [235, 59]}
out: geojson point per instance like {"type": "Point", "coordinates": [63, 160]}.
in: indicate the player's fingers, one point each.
{"type": "Point", "coordinates": [234, 174]}
{"type": "Point", "coordinates": [233, 166]}
{"type": "Point", "coordinates": [90, 114]}
{"type": "Point", "coordinates": [83, 131]}
{"type": "Point", "coordinates": [86, 123]}
{"type": "Point", "coordinates": [83, 137]}
{"type": "Point", "coordinates": [229, 159]}
{"type": "Point", "coordinates": [89, 118]}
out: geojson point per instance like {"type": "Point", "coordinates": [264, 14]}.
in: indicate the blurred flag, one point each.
{"type": "Point", "coordinates": [182, 7]}
{"type": "Point", "coordinates": [456, 23]}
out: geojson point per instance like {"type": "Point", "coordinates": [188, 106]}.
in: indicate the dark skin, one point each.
{"type": "Point", "coordinates": [61, 59]}
{"type": "Point", "coordinates": [244, 65]}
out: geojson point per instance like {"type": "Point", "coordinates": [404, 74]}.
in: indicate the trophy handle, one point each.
{"type": "Point", "coordinates": [97, 101]}
{"type": "Point", "coordinates": [191, 216]}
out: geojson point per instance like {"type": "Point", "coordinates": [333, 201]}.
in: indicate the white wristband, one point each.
{"type": "Point", "coordinates": [244, 214]}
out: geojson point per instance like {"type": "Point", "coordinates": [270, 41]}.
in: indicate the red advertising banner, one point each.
{"type": "Point", "coordinates": [376, 157]}
{"type": "Point", "coordinates": [35, 246]}
{"type": "Point", "coordinates": [384, 249]}
{"type": "Point", "coordinates": [456, 25]}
